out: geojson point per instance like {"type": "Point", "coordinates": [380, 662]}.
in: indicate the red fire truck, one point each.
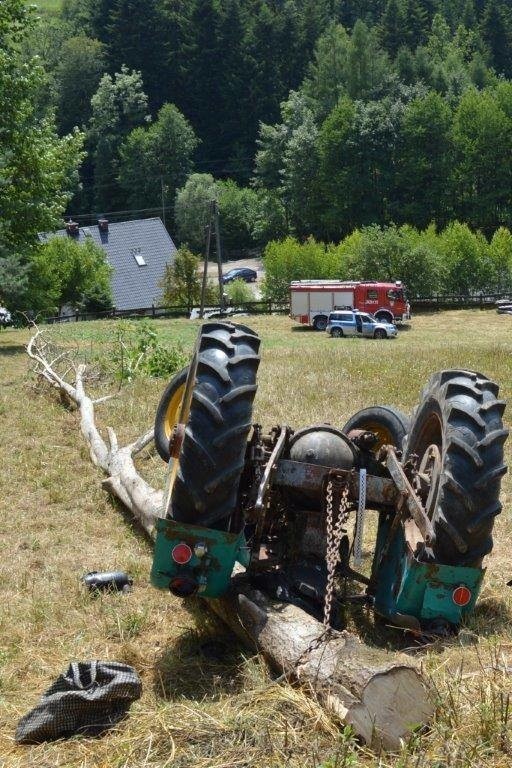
{"type": "Point", "coordinates": [312, 300]}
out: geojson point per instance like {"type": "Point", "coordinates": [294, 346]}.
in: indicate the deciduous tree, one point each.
{"type": "Point", "coordinates": [192, 209]}
{"type": "Point", "coordinates": [118, 106]}
{"type": "Point", "coordinates": [155, 161]}
{"type": "Point", "coordinates": [483, 170]}
{"type": "Point", "coordinates": [67, 273]}
{"type": "Point", "coordinates": [37, 169]}
{"type": "Point", "coordinates": [181, 283]}
{"type": "Point", "coordinates": [424, 160]}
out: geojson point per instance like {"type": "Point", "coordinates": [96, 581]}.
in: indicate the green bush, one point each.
{"type": "Point", "coordinates": [239, 292]}
{"type": "Point", "coordinates": [182, 281]}
{"type": "Point", "coordinates": [238, 210]}
{"type": "Point", "coordinates": [289, 260]}
{"type": "Point", "coordinates": [392, 253]}
{"type": "Point", "coordinates": [137, 352]}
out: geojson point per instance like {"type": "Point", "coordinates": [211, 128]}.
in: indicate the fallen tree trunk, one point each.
{"type": "Point", "coordinates": [382, 696]}
{"type": "Point", "coordinates": [123, 480]}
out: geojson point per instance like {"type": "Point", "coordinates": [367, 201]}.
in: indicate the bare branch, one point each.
{"type": "Point", "coordinates": [105, 398]}
{"type": "Point", "coordinates": [140, 498]}
{"type": "Point", "coordinates": [142, 441]}
{"type": "Point", "coordinates": [112, 438]}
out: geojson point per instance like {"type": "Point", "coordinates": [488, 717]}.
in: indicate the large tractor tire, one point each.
{"type": "Point", "coordinates": [212, 455]}
{"type": "Point", "coordinates": [457, 434]}
{"type": "Point", "coordinates": [389, 424]}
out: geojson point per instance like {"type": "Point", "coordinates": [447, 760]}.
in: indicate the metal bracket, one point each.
{"type": "Point", "coordinates": [263, 486]}
{"type": "Point", "coordinates": [361, 505]}
{"type": "Point", "coordinates": [259, 504]}
{"type": "Point", "coordinates": [410, 499]}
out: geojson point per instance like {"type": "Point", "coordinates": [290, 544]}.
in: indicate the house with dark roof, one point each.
{"type": "Point", "coordinates": [137, 251]}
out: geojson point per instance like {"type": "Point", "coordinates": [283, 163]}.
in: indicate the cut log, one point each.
{"type": "Point", "coordinates": [383, 696]}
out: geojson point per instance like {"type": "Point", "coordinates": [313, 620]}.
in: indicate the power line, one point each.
{"type": "Point", "coordinates": [118, 213]}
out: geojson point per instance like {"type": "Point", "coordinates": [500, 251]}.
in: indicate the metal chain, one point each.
{"type": "Point", "coordinates": [332, 556]}
{"type": "Point", "coordinates": [335, 529]}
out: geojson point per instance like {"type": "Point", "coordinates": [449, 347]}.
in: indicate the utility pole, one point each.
{"type": "Point", "coordinates": [163, 198]}
{"type": "Point", "coordinates": [219, 254]}
{"type": "Point", "coordinates": [206, 257]}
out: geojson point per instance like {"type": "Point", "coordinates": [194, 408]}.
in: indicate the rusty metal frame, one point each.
{"type": "Point", "coordinates": [259, 507]}
{"type": "Point", "coordinates": [309, 477]}
{"type": "Point", "coordinates": [410, 499]}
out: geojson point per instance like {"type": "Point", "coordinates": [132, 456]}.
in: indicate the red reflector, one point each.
{"type": "Point", "coordinates": [181, 553]}
{"type": "Point", "coordinates": [461, 596]}
{"type": "Point", "coordinates": [183, 586]}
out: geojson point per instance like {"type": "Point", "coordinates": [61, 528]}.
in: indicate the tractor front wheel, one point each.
{"type": "Point", "coordinates": [457, 437]}
{"type": "Point", "coordinates": [212, 455]}
{"type": "Point", "coordinates": [388, 424]}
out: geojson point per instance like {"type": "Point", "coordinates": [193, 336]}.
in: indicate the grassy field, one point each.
{"type": "Point", "coordinates": [196, 710]}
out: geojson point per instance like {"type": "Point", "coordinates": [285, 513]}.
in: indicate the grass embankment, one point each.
{"type": "Point", "coordinates": [199, 711]}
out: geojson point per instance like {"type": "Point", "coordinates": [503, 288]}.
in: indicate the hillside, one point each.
{"type": "Point", "coordinates": [343, 114]}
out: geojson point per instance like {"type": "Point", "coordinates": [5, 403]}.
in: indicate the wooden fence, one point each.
{"type": "Point", "coordinates": [267, 306]}
{"type": "Point", "coordinates": [453, 301]}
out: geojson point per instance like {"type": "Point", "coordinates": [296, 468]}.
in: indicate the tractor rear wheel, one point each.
{"type": "Point", "coordinates": [389, 424]}
{"type": "Point", "coordinates": [212, 455]}
{"type": "Point", "coordinates": [457, 434]}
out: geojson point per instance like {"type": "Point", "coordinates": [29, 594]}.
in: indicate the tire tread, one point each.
{"type": "Point", "coordinates": [213, 452]}
{"type": "Point", "coordinates": [472, 462]}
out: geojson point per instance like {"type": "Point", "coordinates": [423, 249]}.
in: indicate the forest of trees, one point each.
{"type": "Point", "coordinates": [304, 117]}
{"type": "Point", "coordinates": [338, 114]}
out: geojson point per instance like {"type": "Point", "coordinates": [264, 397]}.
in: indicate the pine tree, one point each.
{"type": "Point", "coordinates": [134, 39]}
{"type": "Point", "coordinates": [469, 16]}
{"type": "Point", "coordinates": [416, 23]}
{"type": "Point", "coordinates": [327, 74]}
{"type": "Point", "coordinates": [266, 88]}
{"type": "Point", "coordinates": [368, 65]}
{"type": "Point", "coordinates": [235, 126]}
{"type": "Point", "coordinates": [497, 34]}
{"type": "Point", "coordinates": [392, 26]}
{"type": "Point", "coordinates": [201, 82]}
{"type": "Point", "coordinates": [405, 65]}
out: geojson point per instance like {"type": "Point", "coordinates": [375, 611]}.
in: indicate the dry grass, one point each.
{"type": "Point", "coordinates": [196, 710]}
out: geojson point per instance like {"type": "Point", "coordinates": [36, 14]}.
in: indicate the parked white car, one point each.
{"type": "Point", "coordinates": [346, 323]}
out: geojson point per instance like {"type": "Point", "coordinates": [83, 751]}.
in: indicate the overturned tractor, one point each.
{"type": "Point", "coordinates": [292, 507]}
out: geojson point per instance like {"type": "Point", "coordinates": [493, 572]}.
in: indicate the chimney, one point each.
{"type": "Point", "coordinates": [72, 228]}
{"type": "Point", "coordinates": [103, 224]}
